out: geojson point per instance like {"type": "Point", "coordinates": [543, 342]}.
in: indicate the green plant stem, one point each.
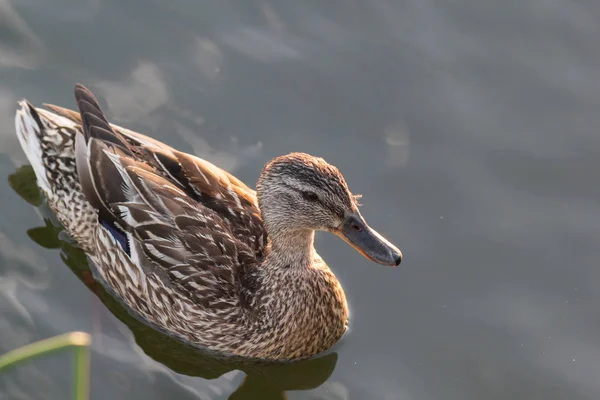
{"type": "Point", "coordinates": [80, 341]}
{"type": "Point", "coordinates": [81, 373]}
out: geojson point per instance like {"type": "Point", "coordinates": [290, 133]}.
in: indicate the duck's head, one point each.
{"type": "Point", "coordinates": [299, 192]}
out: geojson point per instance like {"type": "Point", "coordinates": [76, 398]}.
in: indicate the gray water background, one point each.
{"type": "Point", "coordinates": [470, 127]}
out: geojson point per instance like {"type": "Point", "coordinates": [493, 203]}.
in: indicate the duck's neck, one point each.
{"type": "Point", "coordinates": [301, 304]}
{"type": "Point", "coordinates": [291, 248]}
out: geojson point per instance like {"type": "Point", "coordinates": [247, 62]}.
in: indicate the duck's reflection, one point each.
{"type": "Point", "coordinates": [267, 381]}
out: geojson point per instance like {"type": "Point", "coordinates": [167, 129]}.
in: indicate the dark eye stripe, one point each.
{"type": "Point", "coordinates": [310, 196]}
{"type": "Point", "coordinates": [334, 209]}
{"type": "Point", "coordinates": [338, 211]}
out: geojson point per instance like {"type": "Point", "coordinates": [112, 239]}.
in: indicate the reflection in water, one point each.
{"type": "Point", "coordinates": [397, 138]}
{"type": "Point", "coordinates": [267, 381]}
{"type": "Point", "coordinates": [143, 92]}
{"type": "Point", "coordinates": [19, 47]}
{"type": "Point", "coordinates": [207, 56]}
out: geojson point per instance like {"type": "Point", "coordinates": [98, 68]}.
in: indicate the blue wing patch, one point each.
{"type": "Point", "coordinates": [118, 235]}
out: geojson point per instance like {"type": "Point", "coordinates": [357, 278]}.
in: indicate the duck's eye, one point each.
{"type": "Point", "coordinates": [310, 196]}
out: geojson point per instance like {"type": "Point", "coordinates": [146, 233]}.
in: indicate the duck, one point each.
{"type": "Point", "coordinates": [190, 249]}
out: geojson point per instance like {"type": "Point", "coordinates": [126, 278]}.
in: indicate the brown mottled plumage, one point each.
{"type": "Point", "coordinates": [189, 247]}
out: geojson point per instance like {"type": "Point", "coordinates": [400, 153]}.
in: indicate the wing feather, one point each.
{"type": "Point", "coordinates": [201, 181]}
{"type": "Point", "coordinates": [179, 214]}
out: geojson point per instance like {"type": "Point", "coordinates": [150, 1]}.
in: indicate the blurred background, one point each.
{"type": "Point", "coordinates": [471, 129]}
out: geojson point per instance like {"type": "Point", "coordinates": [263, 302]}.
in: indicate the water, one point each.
{"type": "Point", "coordinates": [470, 127]}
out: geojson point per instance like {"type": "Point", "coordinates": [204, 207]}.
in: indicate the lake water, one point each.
{"type": "Point", "coordinates": [471, 129]}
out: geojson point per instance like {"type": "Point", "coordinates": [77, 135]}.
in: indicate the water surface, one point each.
{"type": "Point", "coordinates": [470, 127]}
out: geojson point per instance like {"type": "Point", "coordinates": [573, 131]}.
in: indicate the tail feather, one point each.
{"type": "Point", "coordinates": [30, 127]}
{"type": "Point", "coordinates": [48, 141]}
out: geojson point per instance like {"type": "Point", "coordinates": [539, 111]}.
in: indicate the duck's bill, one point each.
{"type": "Point", "coordinates": [368, 242]}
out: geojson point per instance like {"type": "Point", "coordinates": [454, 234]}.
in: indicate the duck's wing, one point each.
{"type": "Point", "coordinates": [156, 220]}
{"type": "Point", "coordinates": [201, 180]}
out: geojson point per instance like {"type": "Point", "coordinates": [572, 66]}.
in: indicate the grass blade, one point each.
{"type": "Point", "coordinates": [79, 341]}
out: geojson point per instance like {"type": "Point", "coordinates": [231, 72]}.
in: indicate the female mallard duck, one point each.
{"type": "Point", "coordinates": [190, 248]}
